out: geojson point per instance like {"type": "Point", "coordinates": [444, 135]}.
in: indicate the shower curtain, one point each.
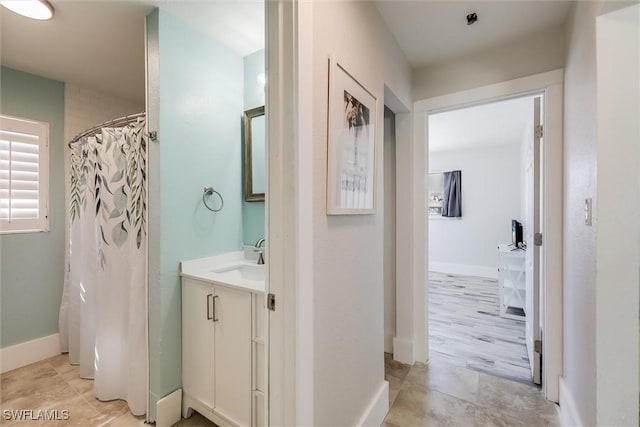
{"type": "Point", "coordinates": [103, 312]}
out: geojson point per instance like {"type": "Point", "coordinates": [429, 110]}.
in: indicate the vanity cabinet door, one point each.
{"type": "Point", "coordinates": [198, 341]}
{"type": "Point", "coordinates": [233, 355]}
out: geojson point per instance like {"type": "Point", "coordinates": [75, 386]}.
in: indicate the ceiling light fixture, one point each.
{"type": "Point", "coordinates": [41, 10]}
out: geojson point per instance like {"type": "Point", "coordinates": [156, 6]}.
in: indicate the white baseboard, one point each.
{"type": "Point", "coordinates": [388, 341]}
{"type": "Point", "coordinates": [403, 351]}
{"type": "Point", "coordinates": [464, 269]}
{"type": "Point", "coordinates": [29, 352]}
{"type": "Point", "coordinates": [169, 409]}
{"type": "Point", "coordinates": [569, 415]}
{"type": "Point", "coordinates": [377, 409]}
{"type": "Point", "coordinates": [422, 356]}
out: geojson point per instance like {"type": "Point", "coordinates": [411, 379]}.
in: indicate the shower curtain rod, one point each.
{"type": "Point", "coordinates": [121, 121]}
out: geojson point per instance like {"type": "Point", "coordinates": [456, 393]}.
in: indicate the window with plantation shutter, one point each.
{"type": "Point", "coordinates": [24, 175]}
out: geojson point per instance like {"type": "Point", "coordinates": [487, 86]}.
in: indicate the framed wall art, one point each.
{"type": "Point", "coordinates": [351, 175]}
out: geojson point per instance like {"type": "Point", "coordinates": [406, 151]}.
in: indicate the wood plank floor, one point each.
{"type": "Point", "coordinates": [465, 327]}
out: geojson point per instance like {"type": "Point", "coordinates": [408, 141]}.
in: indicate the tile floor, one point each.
{"type": "Point", "coordinates": [437, 394]}
{"type": "Point", "coordinates": [442, 394]}
{"type": "Point", "coordinates": [55, 384]}
{"type": "Point", "coordinates": [465, 327]}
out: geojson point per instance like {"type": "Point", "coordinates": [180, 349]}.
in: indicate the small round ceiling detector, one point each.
{"type": "Point", "coordinates": [472, 18]}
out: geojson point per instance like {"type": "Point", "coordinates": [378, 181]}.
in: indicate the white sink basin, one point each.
{"type": "Point", "coordinates": [231, 269]}
{"type": "Point", "coordinates": [240, 272]}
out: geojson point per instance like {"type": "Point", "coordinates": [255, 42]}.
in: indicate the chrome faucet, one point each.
{"type": "Point", "coordinates": [259, 248]}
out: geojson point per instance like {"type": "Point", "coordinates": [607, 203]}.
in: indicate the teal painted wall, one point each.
{"type": "Point", "coordinates": [199, 126]}
{"type": "Point", "coordinates": [253, 212]}
{"type": "Point", "coordinates": [32, 264]}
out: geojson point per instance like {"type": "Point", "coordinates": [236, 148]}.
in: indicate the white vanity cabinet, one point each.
{"type": "Point", "coordinates": [220, 352]}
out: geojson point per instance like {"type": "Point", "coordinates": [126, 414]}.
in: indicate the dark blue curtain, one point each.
{"type": "Point", "coordinates": [452, 203]}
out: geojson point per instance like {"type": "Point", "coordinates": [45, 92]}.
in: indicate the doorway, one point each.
{"type": "Point", "coordinates": [551, 85]}
{"type": "Point", "coordinates": [483, 204]}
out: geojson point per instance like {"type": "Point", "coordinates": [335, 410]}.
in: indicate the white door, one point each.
{"type": "Point", "coordinates": [197, 341]}
{"type": "Point", "coordinates": [232, 348]}
{"type": "Point", "coordinates": [532, 227]}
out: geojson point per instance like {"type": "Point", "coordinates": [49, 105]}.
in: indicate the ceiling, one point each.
{"type": "Point", "coordinates": [432, 31]}
{"type": "Point", "coordinates": [498, 123]}
{"type": "Point", "coordinates": [100, 44]}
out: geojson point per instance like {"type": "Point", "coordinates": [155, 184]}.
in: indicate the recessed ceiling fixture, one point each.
{"type": "Point", "coordinates": [41, 10]}
{"type": "Point", "coordinates": [472, 18]}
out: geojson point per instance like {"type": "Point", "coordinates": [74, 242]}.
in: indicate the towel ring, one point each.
{"type": "Point", "coordinates": [209, 191]}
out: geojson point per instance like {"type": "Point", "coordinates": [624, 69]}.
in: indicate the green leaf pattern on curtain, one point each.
{"type": "Point", "coordinates": [111, 177]}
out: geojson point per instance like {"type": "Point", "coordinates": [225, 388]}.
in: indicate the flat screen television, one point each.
{"type": "Point", "coordinates": [516, 233]}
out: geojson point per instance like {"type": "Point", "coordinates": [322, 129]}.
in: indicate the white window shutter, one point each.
{"type": "Point", "coordinates": [24, 161]}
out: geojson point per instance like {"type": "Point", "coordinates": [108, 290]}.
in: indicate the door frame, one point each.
{"type": "Point", "coordinates": [551, 84]}
{"type": "Point", "coordinates": [402, 338]}
{"type": "Point", "coordinates": [534, 255]}
{"type": "Point", "coordinates": [289, 211]}
{"type": "Point", "coordinates": [389, 286]}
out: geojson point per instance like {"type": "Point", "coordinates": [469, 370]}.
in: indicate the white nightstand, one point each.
{"type": "Point", "coordinates": [512, 281]}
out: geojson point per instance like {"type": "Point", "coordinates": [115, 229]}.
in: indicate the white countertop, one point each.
{"type": "Point", "coordinates": [212, 270]}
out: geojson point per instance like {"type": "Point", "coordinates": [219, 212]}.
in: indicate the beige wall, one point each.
{"type": "Point", "coordinates": [348, 250]}
{"type": "Point", "coordinates": [536, 53]}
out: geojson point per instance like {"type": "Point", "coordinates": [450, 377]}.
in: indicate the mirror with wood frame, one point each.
{"type": "Point", "coordinates": [254, 154]}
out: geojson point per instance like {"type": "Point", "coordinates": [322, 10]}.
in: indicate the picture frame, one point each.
{"type": "Point", "coordinates": [351, 145]}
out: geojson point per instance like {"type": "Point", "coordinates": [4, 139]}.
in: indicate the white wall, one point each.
{"type": "Point", "coordinates": [579, 183]}
{"type": "Point", "coordinates": [491, 191]}
{"type": "Point", "coordinates": [85, 108]}
{"type": "Point", "coordinates": [535, 53]}
{"type": "Point", "coordinates": [618, 214]}
{"type": "Point", "coordinates": [600, 271]}
{"type": "Point", "coordinates": [348, 250]}
{"type": "Point", "coordinates": [524, 163]}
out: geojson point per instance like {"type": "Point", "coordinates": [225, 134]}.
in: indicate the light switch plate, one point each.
{"type": "Point", "coordinates": [588, 211]}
